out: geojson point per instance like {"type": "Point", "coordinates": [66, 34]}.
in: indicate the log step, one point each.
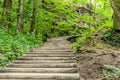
{"type": "Point", "coordinates": [39, 70]}
{"type": "Point", "coordinates": [48, 55]}
{"type": "Point", "coordinates": [43, 61]}
{"type": "Point", "coordinates": [46, 58]}
{"type": "Point", "coordinates": [57, 76]}
{"type": "Point", "coordinates": [44, 65]}
{"type": "Point", "coordinates": [39, 50]}
{"type": "Point", "coordinates": [34, 79]}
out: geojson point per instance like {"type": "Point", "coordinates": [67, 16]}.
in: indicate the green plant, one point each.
{"type": "Point", "coordinates": [12, 47]}
{"type": "Point", "coordinates": [112, 38]}
{"type": "Point", "coordinates": [111, 73]}
{"type": "Point", "coordinates": [98, 22]}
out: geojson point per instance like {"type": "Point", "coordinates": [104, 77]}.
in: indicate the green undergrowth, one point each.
{"type": "Point", "coordinates": [12, 47]}
{"type": "Point", "coordinates": [98, 23]}
{"type": "Point", "coordinates": [111, 73]}
{"type": "Point", "coordinates": [112, 38]}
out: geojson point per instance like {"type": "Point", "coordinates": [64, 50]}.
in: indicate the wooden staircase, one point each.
{"type": "Point", "coordinates": [52, 61]}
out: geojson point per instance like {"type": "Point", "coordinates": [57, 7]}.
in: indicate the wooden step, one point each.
{"type": "Point", "coordinates": [39, 70]}
{"type": "Point", "coordinates": [43, 61]}
{"type": "Point", "coordinates": [43, 65]}
{"type": "Point", "coordinates": [38, 52]}
{"type": "Point", "coordinates": [46, 58]}
{"type": "Point", "coordinates": [49, 55]}
{"type": "Point", "coordinates": [34, 79]}
{"type": "Point", "coordinates": [57, 76]}
{"type": "Point", "coordinates": [28, 79]}
{"type": "Point", "coordinates": [57, 49]}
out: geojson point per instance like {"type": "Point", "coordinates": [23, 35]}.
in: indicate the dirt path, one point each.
{"type": "Point", "coordinates": [52, 61]}
{"type": "Point", "coordinates": [91, 62]}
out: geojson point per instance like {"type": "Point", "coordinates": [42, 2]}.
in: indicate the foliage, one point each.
{"type": "Point", "coordinates": [112, 38]}
{"type": "Point", "coordinates": [12, 47]}
{"type": "Point", "coordinates": [111, 73]}
{"type": "Point", "coordinates": [99, 22]}
{"type": "Point", "coordinates": [57, 20]}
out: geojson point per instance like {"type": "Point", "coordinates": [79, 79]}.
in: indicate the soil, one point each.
{"type": "Point", "coordinates": [91, 62]}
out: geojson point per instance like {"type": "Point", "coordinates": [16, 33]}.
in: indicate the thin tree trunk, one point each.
{"type": "Point", "coordinates": [91, 7]}
{"type": "Point", "coordinates": [115, 5]}
{"type": "Point", "coordinates": [20, 17]}
{"type": "Point", "coordinates": [6, 18]}
{"type": "Point", "coordinates": [34, 15]}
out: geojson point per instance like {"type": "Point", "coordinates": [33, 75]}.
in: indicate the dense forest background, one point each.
{"type": "Point", "coordinates": [25, 24]}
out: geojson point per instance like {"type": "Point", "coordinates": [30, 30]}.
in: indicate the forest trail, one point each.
{"type": "Point", "coordinates": [52, 61]}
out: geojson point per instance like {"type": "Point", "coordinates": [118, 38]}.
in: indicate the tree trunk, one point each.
{"type": "Point", "coordinates": [20, 17]}
{"type": "Point", "coordinates": [34, 15]}
{"type": "Point", "coordinates": [116, 7]}
{"type": "Point", "coordinates": [7, 7]}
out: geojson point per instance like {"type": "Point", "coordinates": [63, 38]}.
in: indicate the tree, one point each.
{"type": "Point", "coordinates": [34, 15]}
{"type": "Point", "coordinates": [20, 17]}
{"type": "Point", "coordinates": [116, 7]}
{"type": "Point", "coordinates": [7, 7]}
